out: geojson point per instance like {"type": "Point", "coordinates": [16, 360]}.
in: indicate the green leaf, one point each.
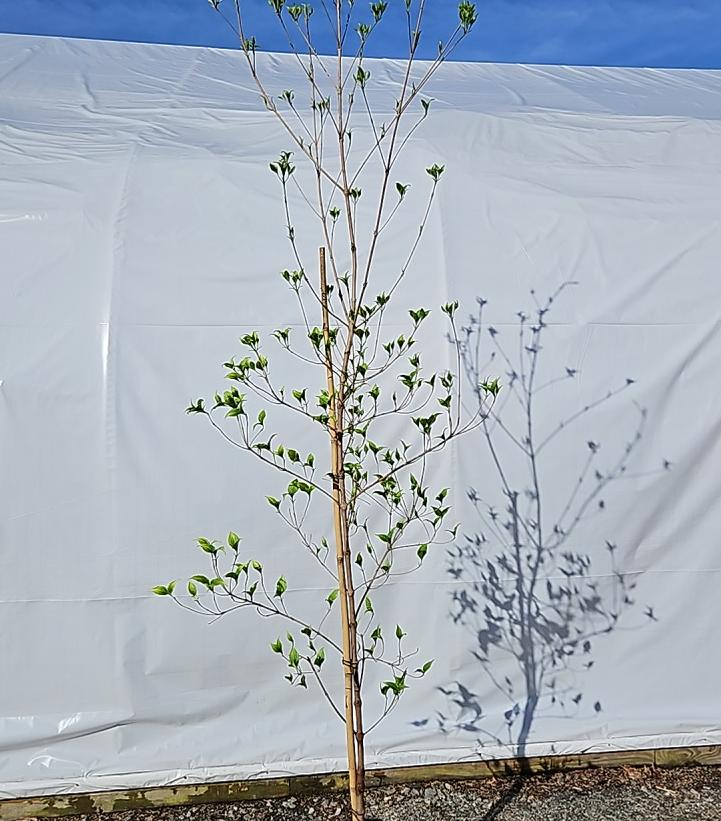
{"type": "Point", "coordinates": [319, 658]}
{"type": "Point", "coordinates": [378, 9]}
{"type": "Point", "coordinates": [363, 30]}
{"type": "Point", "coordinates": [250, 340]}
{"type": "Point", "coordinates": [161, 590]}
{"type": "Point", "coordinates": [293, 455]}
{"type": "Point", "coordinates": [332, 596]}
{"type": "Point", "coordinates": [192, 589]}
{"type": "Point", "coordinates": [207, 546]}
{"type": "Point", "coordinates": [233, 540]}
{"type": "Point", "coordinates": [273, 501]}
{"type": "Point", "coordinates": [467, 15]}
{"type": "Point", "coordinates": [362, 76]}
{"type": "Point", "coordinates": [369, 605]}
{"type": "Point", "coordinates": [277, 646]}
{"type": "Point", "coordinates": [397, 686]}
{"type": "Point", "coordinates": [422, 550]}
{"type": "Point", "coordinates": [435, 171]}
{"type": "Point", "coordinates": [202, 579]}
{"type": "Point", "coordinates": [196, 407]}
{"type": "Point", "coordinates": [426, 667]}
{"type": "Point", "coordinates": [399, 632]}
{"type": "Point", "coordinates": [281, 586]}
{"type": "Point", "coordinates": [491, 386]}
{"type": "Point", "coordinates": [256, 565]}
{"type": "Point", "coordinates": [293, 658]}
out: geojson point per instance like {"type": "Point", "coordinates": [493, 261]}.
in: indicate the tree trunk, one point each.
{"type": "Point", "coordinates": [353, 705]}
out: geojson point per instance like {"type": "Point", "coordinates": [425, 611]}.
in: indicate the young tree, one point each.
{"type": "Point", "coordinates": [376, 491]}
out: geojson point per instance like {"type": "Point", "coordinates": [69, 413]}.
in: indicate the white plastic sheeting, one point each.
{"type": "Point", "coordinates": [139, 232]}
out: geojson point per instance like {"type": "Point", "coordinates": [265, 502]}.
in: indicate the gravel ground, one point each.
{"type": "Point", "coordinates": [626, 794]}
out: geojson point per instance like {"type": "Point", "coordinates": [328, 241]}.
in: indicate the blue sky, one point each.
{"type": "Point", "coordinates": [680, 33]}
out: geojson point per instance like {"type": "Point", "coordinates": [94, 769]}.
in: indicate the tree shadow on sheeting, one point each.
{"type": "Point", "coordinates": [533, 601]}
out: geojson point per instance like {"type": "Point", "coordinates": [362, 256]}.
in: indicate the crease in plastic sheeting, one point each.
{"type": "Point", "coordinates": [30, 55]}
{"type": "Point", "coordinates": [109, 398]}
{"type": "Point", "coordinates": [707, 331]}
{"type": "Point", "coordinates": [661, 272]}
{"type": "Point", "coordinates": [550, 76]}
{"type": "Point", "coordinates": [88, 724]}
{"type": "Point", "coordinates": [38, 216]}
{"type": "Point", "coordinates": [117, 251]}
{"type": "Point", "coordinates": [576, 746]}
{"type": "Point", "coordinates": [695, 456]}
{"type": "Point", "coordinates": [182, 79]}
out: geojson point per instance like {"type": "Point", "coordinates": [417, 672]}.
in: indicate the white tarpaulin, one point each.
{"type": "Point", "coordinates": [141, 233]}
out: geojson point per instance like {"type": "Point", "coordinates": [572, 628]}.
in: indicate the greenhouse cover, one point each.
{"type": "Point", "coordinates": [141, 234]}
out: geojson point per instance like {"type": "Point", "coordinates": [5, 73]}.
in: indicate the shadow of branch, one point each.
{"type": "Point", "coordinates": [514, 789]}
{"type": "Point", "coordinates": [534, 602]}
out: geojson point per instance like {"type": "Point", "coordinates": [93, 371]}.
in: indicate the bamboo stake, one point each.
{"type": "Point", "coordinates": [353, 633]}
{"type": "Point", "coordinates": [351, 699]}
